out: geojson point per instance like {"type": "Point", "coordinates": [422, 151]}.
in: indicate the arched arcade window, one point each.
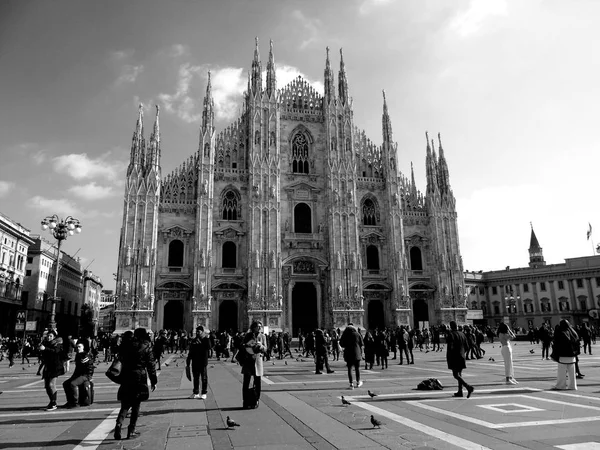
{"type": "Point", "coordinates": [369, 212]}
{"type": "Point", "coordinates": [372, 258]}
{"type": "Point", "coordinates": [416, 263]}
{"type": "Point", "coordinates": [300, 154]}
{"type": "Point", "coordinates": [230, 206]}
{"type": "Point", "coordinates": [229, 255]}
{"type": "Point", "coordinates": [302, 218]}
{"type": "Point", "coordinates": [176, 254]}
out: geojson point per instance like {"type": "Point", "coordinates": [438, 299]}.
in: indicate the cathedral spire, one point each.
{"type": "Point", "coordinates": [137, 142]}
{"type": "Point", "coordinates": [536, 256]}
{"type": "Point", "coordinates": [271, 79]}
{"type": "Point", "coordinates": [443, 169]}
{"type": "Point", "coordinates": [342, 81]}
{"type": "Point", "coordinates": [208, 111]}
{"type": "Point", "coordinates": [329, 89]}
{"type": "Point", "coordinates": [413, 184]}
{"type": "Point", "coordinates": [386, 122]}
{"type": "Point", "coordinates": [153, 158]}
{"type": "Point", "coordinates": [432, 182]}
{"type": "Point", "coordinates": [256, 71]}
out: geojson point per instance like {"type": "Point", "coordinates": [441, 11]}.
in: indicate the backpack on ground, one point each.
{"type": "Point", "coordinates": [430, 384]}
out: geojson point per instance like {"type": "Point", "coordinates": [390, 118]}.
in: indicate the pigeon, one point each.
{"type": "Point", "coordinates": [492, 359]}
{"type": "Point", "coordinates": [285, 363]}
{"type": "Point", "coordinates": [345, 402]}
{"type": "Point", "coordinates": [302, 360]}
{"type": "Point", "coordinates": [273, 363]}
{"type": "Point", "coordinates": [167, 364]}
{"type": "Point", "coordinates": [212, 366]}
{"type": "Point", "coordinates": [231, 423]}
{"type": "Point", "coordinates": [375, 422]}
{"type": "Point", "coordinates": [371, 394]}
{"type": "Point", "coordinates": [531, 351]}
{"type": "Point", "coordinates": [297, 359]}
{"type": "Point", "coordinates": [177, 365]}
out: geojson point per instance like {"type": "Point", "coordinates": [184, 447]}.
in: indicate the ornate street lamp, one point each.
{"type": "Point", "coordinates": [60, 229]}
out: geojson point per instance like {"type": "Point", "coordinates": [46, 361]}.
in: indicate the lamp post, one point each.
{"type": "Point", "coordinates": [60, 229]}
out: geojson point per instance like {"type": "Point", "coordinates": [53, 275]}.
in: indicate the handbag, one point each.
{"type": "Point", "coordinates": [114, 371]}
{"type": "Point", "coordinates": [143, 393]}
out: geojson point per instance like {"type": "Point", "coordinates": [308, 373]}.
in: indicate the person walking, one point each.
{"type": "Point", "coordinates": [586, 337]}
{"type": "Point", "coordinates": [138, 365]}
{"type": "Point", "coordinates": [84, 370]}
{"type": "Point", "coordinates": [13, 349]}
{"type": "Point", "coordinates": [505, 335]}
{"type": "Point", "coordinates": [402, 344]}
{"type": "Point", "coordinates": [198, 358]}
{"type": "Point", "coordinates": [352, 343]}
{"type": "Point", "coordinates": [255, 345]}
{"type": "Point", "coordinates": [564, 352]}
{"type": "Point", "coordinates": [369, 343]}
{"type": "Point", "coordinates": [321, 352]}
{"type": "Point", "coordinates": [546, 336]}
{"type": "Point", "coordinates": [456, 344]}
{"type": "Point", "coordinates": [54, 359]}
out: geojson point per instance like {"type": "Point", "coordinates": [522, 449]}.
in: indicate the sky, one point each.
{"type": "Point", "coordinates": [512, 87]}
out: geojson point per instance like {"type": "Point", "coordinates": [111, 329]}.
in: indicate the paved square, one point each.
{"type": "Point", "coordinates": [507, 408]}
{"type": "Point", "coordinates": [554, 412]}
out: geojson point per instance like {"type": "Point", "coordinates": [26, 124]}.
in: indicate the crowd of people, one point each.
{"type": "Point", "coordinates": [141, 354]}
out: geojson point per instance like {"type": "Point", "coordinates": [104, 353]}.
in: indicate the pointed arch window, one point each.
{"type": "Point", "coordinates": [372, 258]}
{"type": "Point", "coordinates": [302, 218]}
{"type": "Point", "coordinates": [300, 154]}
{"type": "Point", "coordinates": [229, 255]}
{"type": "Point", "coordinates": [230, 206]}
{"type": "Point", "coordinates": [176, 253]}
{"type": "Point", "coordinates": [369, 211]}
{"type": "Point", "coordinates": [416, 262]}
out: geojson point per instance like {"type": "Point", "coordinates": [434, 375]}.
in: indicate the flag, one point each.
{"type": "Point", "coordinates": [589, 232]}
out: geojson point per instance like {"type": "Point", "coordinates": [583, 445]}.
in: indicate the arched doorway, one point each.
{"type": "Point", "coordinates": [420, 313]}
{"type": "Point", "coordinates": [375, 314]}
{"type": "Point", "coordinates": [173, 315]}
{"type": "Point", "coordinates": [304, 308]}
{"type": "Point", "coordinates": [228, 316]}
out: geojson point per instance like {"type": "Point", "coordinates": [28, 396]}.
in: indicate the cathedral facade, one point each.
{"type": "Point", "coordinates": [290, 215]}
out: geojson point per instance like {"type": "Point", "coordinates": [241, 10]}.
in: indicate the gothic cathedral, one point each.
{"type": "Point", "coordinates": [290, 215]}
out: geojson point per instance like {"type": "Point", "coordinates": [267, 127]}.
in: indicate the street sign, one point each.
{"type": "Point", "coordinates": [21, 318]}
{"type": "Point", "coordinates": [31, 325]}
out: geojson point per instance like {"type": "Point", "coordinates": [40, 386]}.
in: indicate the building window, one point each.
{"type": "Point", "coordinates": [496, 308]}
{"type": "Point", "coordinates": [482, 291]}
{"type": "Point", "coordinates": [583, 304]}
{"type": "Point", "coordinates": [230, 206]}
{"type": "Point", "coordinates": [300, 153]}
{"type": "Point", "coordinates": [597, 281]}
{"type": "Point", "coordinates": [176, 253]}
{"type": "Point", "coordinates": [229, 255]}
{"type": "Point", "coordinates": [372, 258]}
{"type": "Point", "coordinates": [528, 307]}
{"type": "Point", "coordinates": [484, 307]}
{"type": "Point", "coordinates": [561, 285]}
{"type": "Point", "coordinates": [564, 306]}
{"type": "Point", "coordinates": [542, 286]}
{"type": "Point", "coordinates": [30, 260]}
{"type": "Point", "coordinates": [302, 218]}
{"type": "Point", "coordinates": [473, 290]}
{"type": "Point", "coordinates": [28, 273]}
{"type": "Point", "coordinates": [525, 287]}
{"type": "Point", "coordinates": [494, 290]}
{"type": "Point", "coordinates": [369, 212]}
{"type": "Point", "coordinates": [579, 282]}
{"type": "Point", "coordinates": [416, 263]}
{"type": "Point", "coordinates": [473, 305]}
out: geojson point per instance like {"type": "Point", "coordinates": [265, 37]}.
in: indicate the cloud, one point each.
{"type": "Point", "coordinates": [81, 167]}
{"type": "Point", "coordinates": [470, 21]}
{"type": "Point", "coordinates": [177, 50]}
{"type": "Point", "coordinates": [120, 55]}
{"type": "Point", "coordinates": [6, 187]}
{"type": "Point", "coordinates": [312, 28]}
{"type": "Point", "coordinates": [366, 6]}
{"type": "Point", "coordinates": [129, 74]}
{"type": "Point", "coordinates": [61, 206]}
{"type": "Point", "coordinates": [228, 84]}
{"type": "Point", "coordinates": [181, 103]}
{"type": "Point", "coordinates": [92, 191]}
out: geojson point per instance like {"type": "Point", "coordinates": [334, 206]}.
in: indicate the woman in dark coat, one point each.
{"type": "Point", "coordinates": [255, 345]}
{"type": "Point", "coordinates": [54, 359]}
{"type": "Point", "coordinates": [352, 343]}
{"type": "Point", "coordinates": [369, 342]}
{"type": "Point", "coordinates": [564, 352]}
{"type": "Point", "coordinates": [457, 345]}
{"type": "Point", "coordinates": [138, 364]}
